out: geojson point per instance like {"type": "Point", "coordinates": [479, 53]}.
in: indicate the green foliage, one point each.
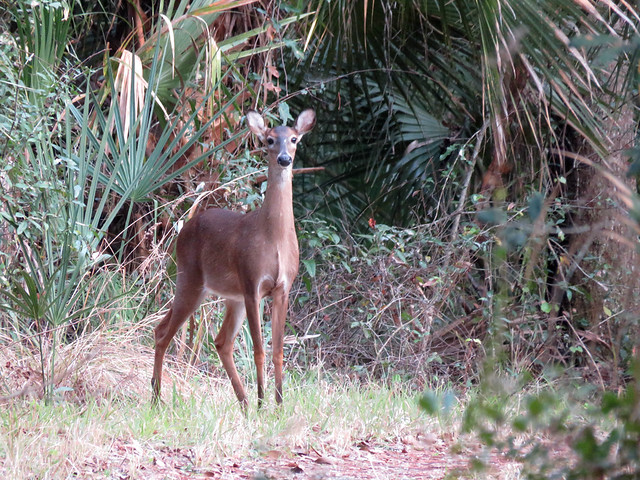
{"type": "Point", "coordinates": [554, 430]}
{"type": "Point", "coordinates": [69, 176]}
{"type": "Point", "coordinates": [43, 29]}
{"type": "Point", "coordinates": [602, 433]}
{"type": "Point", "coordinates": [560, 429]}
{"type": "Point", "coordinates": [372, 302]}
{"type": "Point", "coordinates": [322, 248]}
{"type": "Point", "coordinates": [183, 33]}
{"type": "Point", "coordinates": [400, 81]}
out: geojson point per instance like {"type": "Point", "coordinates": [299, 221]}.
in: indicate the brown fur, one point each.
{"type": "Point", "coordinates": [241, 258]}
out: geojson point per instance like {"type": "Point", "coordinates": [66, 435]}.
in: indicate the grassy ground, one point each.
{"type": "Point", "coordinates": [101, 423]}
{"type": "Point", "coordinates": [123, 437]}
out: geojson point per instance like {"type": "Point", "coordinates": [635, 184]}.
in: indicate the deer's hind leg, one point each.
{"type": "Point", "coordinates": [233, 316]}
{"type": "Point", "coordinates": [188, 297]}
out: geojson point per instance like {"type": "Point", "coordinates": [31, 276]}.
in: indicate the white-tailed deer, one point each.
{"type": "Point", "coordinates": [241, 258]}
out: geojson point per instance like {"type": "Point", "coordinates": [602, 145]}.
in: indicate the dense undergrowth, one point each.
{"type": "Point", "coordinates": [486, 300]}
{"type": "Point", "coordinates": [90, 212]}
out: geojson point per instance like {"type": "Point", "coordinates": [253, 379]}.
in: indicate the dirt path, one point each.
{"type": "Point", "coordinates": [364, 462]}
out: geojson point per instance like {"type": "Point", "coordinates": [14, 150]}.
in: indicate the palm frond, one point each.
{"type": "Point", "coordinates": [380, 69]}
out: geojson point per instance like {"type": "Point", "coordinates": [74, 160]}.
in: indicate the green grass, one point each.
{"type": "Point", "coordinates": [102, 424]}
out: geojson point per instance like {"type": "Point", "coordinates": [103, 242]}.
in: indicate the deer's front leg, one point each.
{"type": "Point", "coordinates": [252, 304]}
{"type": "Point", "coordinates": [278, 319]}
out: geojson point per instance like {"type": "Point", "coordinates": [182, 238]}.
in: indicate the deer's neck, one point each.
{"type": "Point", "coordinates": [277, 209]}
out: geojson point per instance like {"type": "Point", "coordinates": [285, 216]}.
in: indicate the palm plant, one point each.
{"type": "Point", "coordinates": [432, 73]}
{"type": "Point", "coordinates": [198, 85]}
{"type": "Point", "coordinates": [96, 162]}
{"type": "Point", "coordinates": [43, 30]}
{"type": "Point", "coordinates": [427, 110]}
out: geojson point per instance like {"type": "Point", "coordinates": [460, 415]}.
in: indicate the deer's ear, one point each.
{"type": "Point", "coordinates": [305, 122]}
{"type": "Point", "coordinates": [256, 124]}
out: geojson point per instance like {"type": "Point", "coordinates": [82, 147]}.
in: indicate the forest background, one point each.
{"type": "Point", "coordinates": [471, 231]}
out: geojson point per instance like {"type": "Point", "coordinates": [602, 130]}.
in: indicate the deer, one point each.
{"type": "Point", "coordinates": [241, 258]}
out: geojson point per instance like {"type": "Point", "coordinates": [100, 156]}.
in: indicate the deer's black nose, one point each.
{"type": "Point", "coordinates": [284, 160]}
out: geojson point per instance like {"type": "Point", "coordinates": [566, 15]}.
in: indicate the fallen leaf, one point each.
{"type": "Point", "coordinates": [325, 461]}
{"type": "Point", "coordinates": [273, 71]}
{"type": "Point", "coordinates": [269, 86]}
{"type": "Point", "coordinates": [297, 469]}
{"type": "Point", "coordinates": [273, 454]}
{"type": "Point", "coordinates": [409, 440]}
{"type": "Point", "coordinates": [364, 446]}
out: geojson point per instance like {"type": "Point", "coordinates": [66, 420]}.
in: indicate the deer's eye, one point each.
{"type": "Point", "coordinates": [294, 139]}
{"type": "Point", "coordinates": [271, 141]}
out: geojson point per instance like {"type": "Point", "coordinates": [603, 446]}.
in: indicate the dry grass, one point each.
{"type": "Point", "coordinates": [104, 364]}
{"type": "Point", "coordinates": [101, 423]}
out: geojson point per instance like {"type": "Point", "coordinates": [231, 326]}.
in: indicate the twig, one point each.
{"type": "Point", "coordinates": [588, 354]}
{"type": "Point", "coordinates": [465, 187]}
{"type": "Point", "coordinates": [263, 178]}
